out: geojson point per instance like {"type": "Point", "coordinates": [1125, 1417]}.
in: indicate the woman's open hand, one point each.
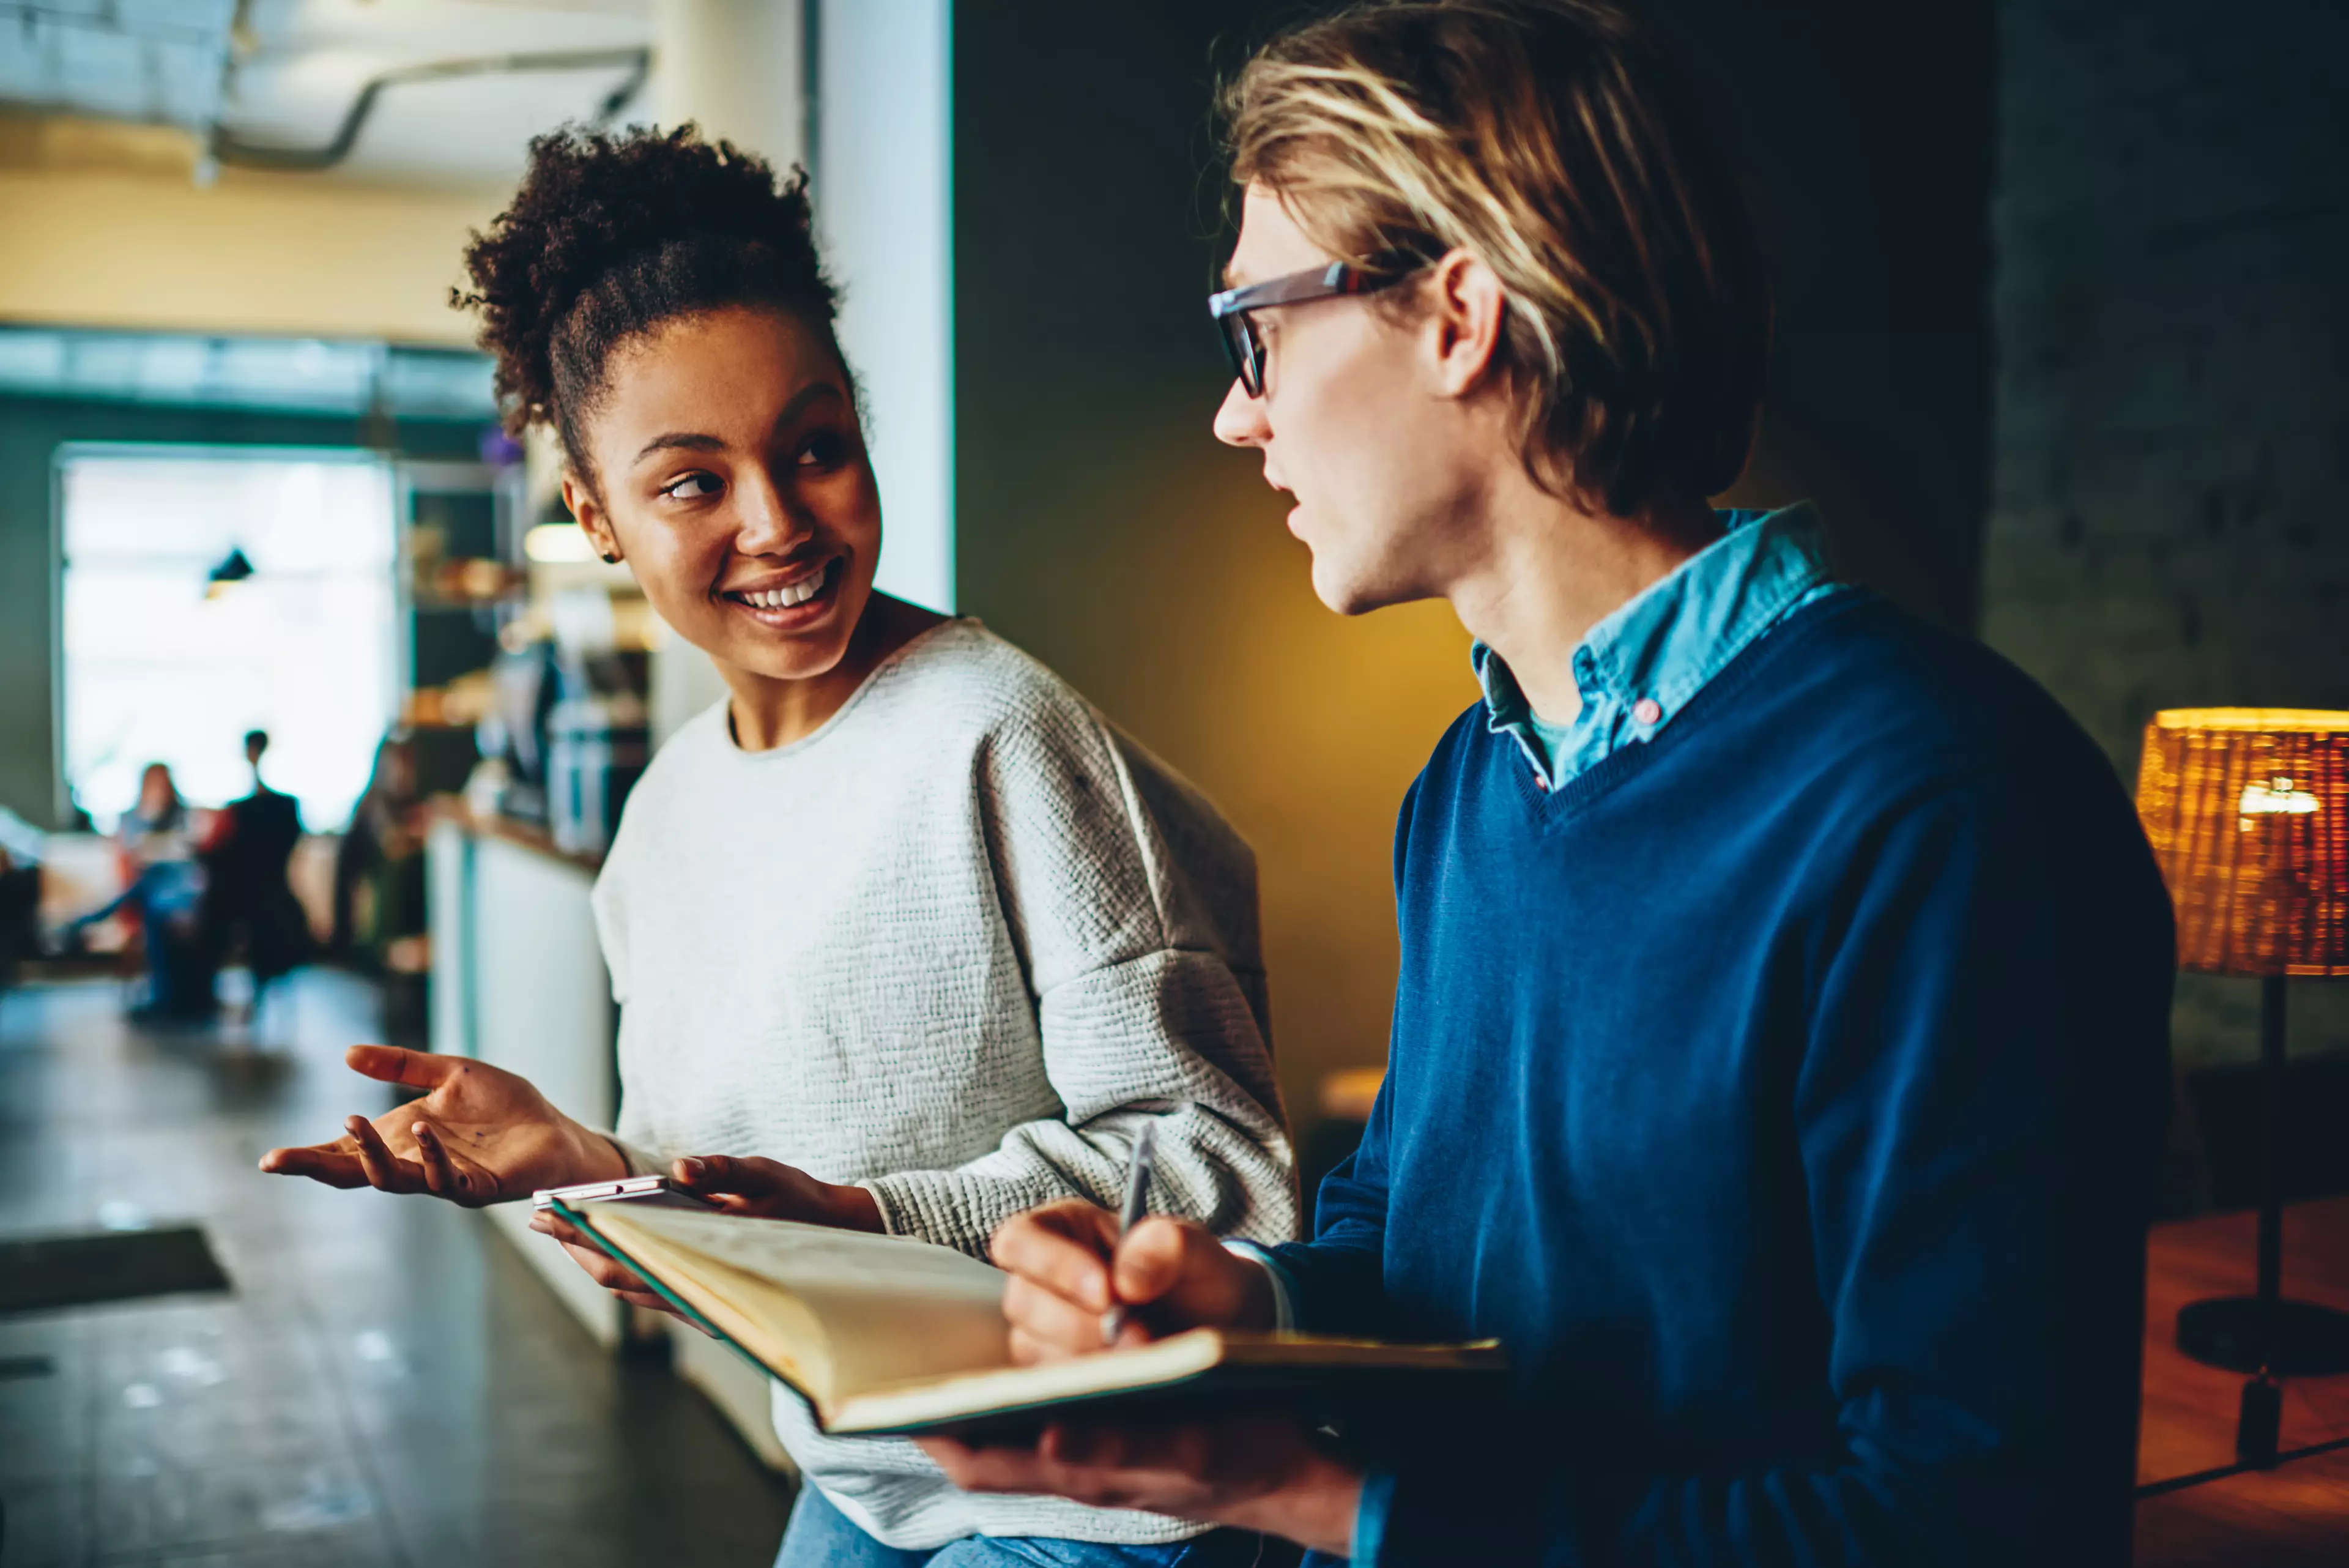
{"type": "Point", "coordinates": [481, 1135]}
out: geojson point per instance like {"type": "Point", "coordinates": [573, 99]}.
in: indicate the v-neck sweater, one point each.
{"type": "Point", "coordinates": [1786, 1093]}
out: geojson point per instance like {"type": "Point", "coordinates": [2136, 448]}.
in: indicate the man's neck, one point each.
{"type": "Point", "coordinates": [1554, 570]}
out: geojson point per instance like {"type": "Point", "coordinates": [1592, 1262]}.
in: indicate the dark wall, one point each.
{"type": "Point", "coordinates": [1099, 525]}
{"type": "Point", "coordinates": [1864, 135]}
{"type": "Point", "coordinates": [2172, 424]}
{"type": "Point", "coordinates": [31, 431]}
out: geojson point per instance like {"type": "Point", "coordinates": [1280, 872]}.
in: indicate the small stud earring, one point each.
{"type": "Point", "coordinates": [611, 560]}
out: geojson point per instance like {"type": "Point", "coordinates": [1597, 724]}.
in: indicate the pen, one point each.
{"type": "Point", "coordinates": [1137, 1202]}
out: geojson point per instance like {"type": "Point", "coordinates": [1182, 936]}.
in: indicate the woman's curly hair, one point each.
{"type": "Point", "coordinates": [610, 236]}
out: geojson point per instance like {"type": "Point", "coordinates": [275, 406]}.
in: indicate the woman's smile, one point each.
{"type": "Point", "coordinates": [793, 601]}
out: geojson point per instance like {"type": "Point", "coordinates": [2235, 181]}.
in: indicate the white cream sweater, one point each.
{"type": "Point", "coordinates": [953, 947]}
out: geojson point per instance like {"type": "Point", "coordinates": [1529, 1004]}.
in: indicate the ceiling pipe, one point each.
{"type": "Point", "coordinates": [226, 147]}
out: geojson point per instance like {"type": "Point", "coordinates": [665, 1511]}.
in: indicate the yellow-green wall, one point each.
{"type": "Point", "coordinates": [103, 225]}
{"type": "Point", "coordinates": [1162, 582]}
{"type": "Point", "coordinates": [1100, 526]}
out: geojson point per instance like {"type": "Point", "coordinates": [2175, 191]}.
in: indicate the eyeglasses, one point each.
{"type": "Point", "coordinates": [1232, 308]}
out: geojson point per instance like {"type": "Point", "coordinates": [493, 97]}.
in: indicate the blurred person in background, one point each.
{"type": "Point", "coordinates": [22, 849]}
{"type": "Point", "coordinates": [380, 864]}
{"type": "Point", "coordinates": [20, 893]}
{"type": "Point", "coordinates": [903, 910]}
{"type": "Point", "coordinates": [247, 898]}
{"type": "Point", "coordinates": [164, 890]}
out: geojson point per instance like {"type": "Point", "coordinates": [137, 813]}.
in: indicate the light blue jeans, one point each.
{"type": "Point", "coordinates": [821, 1536]}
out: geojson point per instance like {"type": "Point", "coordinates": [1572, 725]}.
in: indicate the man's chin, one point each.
{"type": "Point", "coordinates": [1356, 596]}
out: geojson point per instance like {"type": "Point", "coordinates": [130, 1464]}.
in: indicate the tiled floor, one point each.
{"type": "Point", "coordinates": [388, 1383]}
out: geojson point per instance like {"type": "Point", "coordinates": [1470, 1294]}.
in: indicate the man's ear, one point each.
{"type": "Point", "coordinates": [1466, 306]}
{"type": "Point", "coordinates": [583, 505]}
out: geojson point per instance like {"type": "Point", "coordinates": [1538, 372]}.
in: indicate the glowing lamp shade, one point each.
{"type": "Point", "coordinates": [2248, 809]}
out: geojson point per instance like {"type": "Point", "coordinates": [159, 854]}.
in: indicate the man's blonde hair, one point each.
{"type": "Point", "coordinates": [1546, 138]}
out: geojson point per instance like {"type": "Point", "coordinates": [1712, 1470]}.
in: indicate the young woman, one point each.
{"type": "Point", "coordinates": [902, 911]}
{"type": "Point", "coordinates": [156, 844]}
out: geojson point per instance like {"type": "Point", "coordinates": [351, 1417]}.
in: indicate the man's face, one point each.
{"type": "Point", "coordinates": [1352, 425]}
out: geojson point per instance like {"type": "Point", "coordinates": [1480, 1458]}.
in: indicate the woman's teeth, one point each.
{"type": "Point", "coordinates": [787, 595]}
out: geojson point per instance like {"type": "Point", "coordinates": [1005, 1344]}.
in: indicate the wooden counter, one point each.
{"type": "Point", "coordinates": [527, 835]}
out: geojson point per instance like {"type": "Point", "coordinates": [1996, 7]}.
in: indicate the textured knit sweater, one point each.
{"type": "Point", "coordinates": [953, 947]}
{"type": "Point", "coordinates": [1785, 1092]}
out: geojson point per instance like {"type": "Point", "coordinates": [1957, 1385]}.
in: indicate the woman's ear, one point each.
{"type": "Point", "coordinates": [1466, 305]}
{"type": "Point", "coordinates": [583, 505]}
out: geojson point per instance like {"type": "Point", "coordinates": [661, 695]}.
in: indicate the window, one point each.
{"type": "Point", "coordinates": [164, 662]}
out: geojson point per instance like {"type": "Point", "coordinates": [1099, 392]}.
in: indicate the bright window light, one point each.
{"type": "Point", "coordinates": [164, 664]}
{"type": "Point", "coordinates": [558, 543]}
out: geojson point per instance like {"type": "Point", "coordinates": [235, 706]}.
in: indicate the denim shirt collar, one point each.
{"type": "Point", "coordinates": [1641, 665]}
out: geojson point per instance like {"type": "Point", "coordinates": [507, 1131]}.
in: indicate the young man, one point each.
{"type": "Point", "coordinates": [1779, 1051]}
{"type": "Point", "coordinates": [248, 894]}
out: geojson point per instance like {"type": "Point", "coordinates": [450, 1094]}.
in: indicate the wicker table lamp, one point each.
{"type": "Point", "coordinates": [2248, 809]}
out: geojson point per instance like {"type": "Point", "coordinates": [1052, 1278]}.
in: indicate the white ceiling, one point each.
{"type": "Point", "coordinates": [286, 72]}
{"type": "Point", "coordinates": [157, 60]}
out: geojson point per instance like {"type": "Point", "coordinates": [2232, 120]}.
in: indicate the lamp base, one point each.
{"type": "Point", "coordinates": [2258, 1423]}
{"type": "Point", "coordinates": [2232, 1332]}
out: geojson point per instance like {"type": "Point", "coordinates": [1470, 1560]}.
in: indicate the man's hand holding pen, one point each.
{"type": "Point", "coordinates": [1069, 1264]}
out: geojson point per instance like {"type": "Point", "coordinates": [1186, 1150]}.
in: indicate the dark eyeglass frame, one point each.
{"type": "Point", "coordinates": [1232, 307]}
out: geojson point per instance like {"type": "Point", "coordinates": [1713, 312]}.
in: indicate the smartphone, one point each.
{"type": "Point", "coordinates": [657, 1191]}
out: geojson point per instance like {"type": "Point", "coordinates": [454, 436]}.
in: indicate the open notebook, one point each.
{"type": "Point", "coordinates": [881, 1333]}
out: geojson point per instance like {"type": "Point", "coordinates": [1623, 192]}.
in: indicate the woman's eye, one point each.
{"type": "Point", "coordinates": [823, 450]}
{"type": "Point", "coordinates": [692, 487]}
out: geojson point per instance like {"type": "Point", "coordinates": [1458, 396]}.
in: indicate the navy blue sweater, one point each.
{"type": "Point", "coordinates": [1787, 1094]}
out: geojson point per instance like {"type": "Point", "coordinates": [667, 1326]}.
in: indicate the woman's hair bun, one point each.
{"type": "Point", "coordinates": [610, 234]}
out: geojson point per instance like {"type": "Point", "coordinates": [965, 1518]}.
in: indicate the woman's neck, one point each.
{"type": "Point", "coordinates": [766, 712]}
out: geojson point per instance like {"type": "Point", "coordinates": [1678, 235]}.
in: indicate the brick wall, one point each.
{"type": "Point", "coordinates": [2170, 435]}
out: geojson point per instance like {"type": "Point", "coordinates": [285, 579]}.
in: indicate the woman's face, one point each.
{"type": "Point", "coordinates": [733, 479]}
{"type": "Point", "coordinates": [399, 772]}
{"type": "Point", "coordinates": [154, 791]}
